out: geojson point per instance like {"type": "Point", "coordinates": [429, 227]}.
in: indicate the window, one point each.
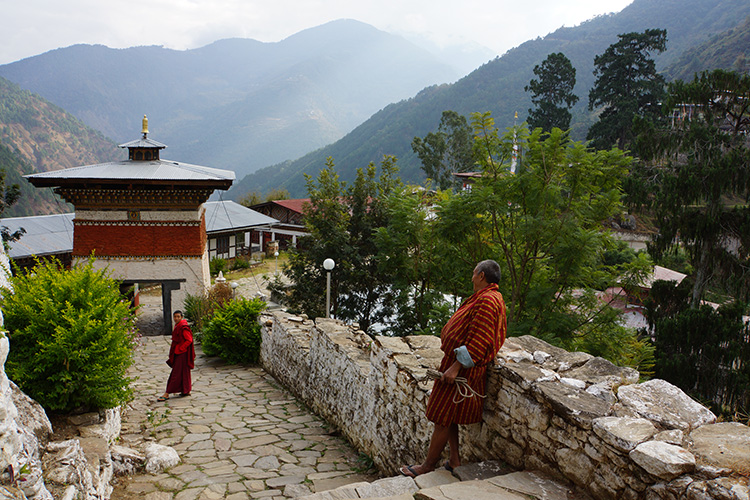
{"type": "Point", "coordinates": [239, 239]}
{"type": "Point", "coordinates": [222, 245]}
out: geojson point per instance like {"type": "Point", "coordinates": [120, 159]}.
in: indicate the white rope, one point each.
{"type": "Point", "coordinates": [462, 386]}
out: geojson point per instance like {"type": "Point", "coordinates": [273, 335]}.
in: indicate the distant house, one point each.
{"type": "Point", "coordinates": [631, 301]}
{"type": "Point", "coordinates": [467, 178]}
{"type": "Point", "coordinates": [228, 228]}
{"type": "Point", "coordinates": [290, 225]}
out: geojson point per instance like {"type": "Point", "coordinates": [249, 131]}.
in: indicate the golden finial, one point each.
{"type": "Point", "coordinates": [516, 115]}
{"type": "Point", "coordinates": [145, 126]}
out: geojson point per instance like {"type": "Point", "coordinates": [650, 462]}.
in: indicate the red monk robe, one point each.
{"type": "Point", "coordinates": [479, 324]}
{"type": "Point", "coordinates": [181, 359]}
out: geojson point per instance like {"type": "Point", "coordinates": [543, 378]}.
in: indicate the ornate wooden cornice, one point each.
{"type": "Point", "coordinates": [129, 199]}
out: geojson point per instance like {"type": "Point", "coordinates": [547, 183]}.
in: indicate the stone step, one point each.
{"type": "Point", "coordinates": [470, 482]}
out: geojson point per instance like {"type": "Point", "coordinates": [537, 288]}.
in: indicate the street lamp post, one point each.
{"type": "Point", "coordinates": [276, 254]}
{"type": "Point", "coordinates": [328, 266]}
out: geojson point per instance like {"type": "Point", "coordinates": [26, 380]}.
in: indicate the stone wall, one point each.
{"type": "Point", "coordinates": [575, 416]}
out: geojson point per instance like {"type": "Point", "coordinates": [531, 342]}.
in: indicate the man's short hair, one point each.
{"type": "Point", "coordinates": [491, 270]}
{"type": "Point", "coordinates": [177, 312]}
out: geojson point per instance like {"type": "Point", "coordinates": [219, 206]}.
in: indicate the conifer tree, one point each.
{"type": "Point", "coordinates": [446, 151]}
{"type": "Point", "coordinates": [557, 77]}
{"type": "Point", "coordinates": [626, 86]}
{"type": "Point", "coordinates": [698, 169]}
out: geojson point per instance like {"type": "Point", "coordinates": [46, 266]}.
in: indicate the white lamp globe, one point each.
{"type": "Point", "coordinates": [328, 264]}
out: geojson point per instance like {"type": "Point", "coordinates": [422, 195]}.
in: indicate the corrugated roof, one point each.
{"type": "Point", "coordinates": [139, 170]}
{"type": "Point", "coordinates": [53, 234]}
{"type": "Point", "coordinates": [665, 274]}
{"type": "Point", "coordinates": [45, 235]}
{"type": "Point", "coordinates": [226, 215]}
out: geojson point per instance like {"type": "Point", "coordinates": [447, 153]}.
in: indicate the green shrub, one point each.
{"type": "Point", "coordinates": [240, 263]}
{"type": "Point", "coordinates": [199, 309]}
{"type": "Point", "coordinates": [72, 336]}
{"type": "Point", "coordinates": [217, 264]}
{"type": "Point", "coordinates": [234, 332]}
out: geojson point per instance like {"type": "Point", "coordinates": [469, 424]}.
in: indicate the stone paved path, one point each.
{"type": "Point", "coordinates": [240, 435]}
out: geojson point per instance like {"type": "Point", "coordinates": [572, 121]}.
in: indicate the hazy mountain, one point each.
{"type": "Point", "coordinates": [464, 57]}
{"type": "Point", "coordinates": [37, 136]}
{"type": "Point", "coordinates": [237, 104]}
{"type": "Point", "coordinates": [498, 86]}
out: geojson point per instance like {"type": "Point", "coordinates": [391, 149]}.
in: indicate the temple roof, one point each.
{"type": "Point", "coordinates": [165, 171]}
{"type": "Point", "coordinates": [143, 142]}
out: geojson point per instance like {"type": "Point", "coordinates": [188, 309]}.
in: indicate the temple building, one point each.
{"type": "Point", "coordinates": [143, 218]}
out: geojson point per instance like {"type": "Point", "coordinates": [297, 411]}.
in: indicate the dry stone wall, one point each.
{"type": "Point", "coordinates": [573, 415]}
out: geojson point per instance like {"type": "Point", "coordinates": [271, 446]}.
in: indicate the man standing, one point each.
{"type": "Point", "coordinates": [470, 341]}
{"type": "Point", "coordinates": [181, 358]}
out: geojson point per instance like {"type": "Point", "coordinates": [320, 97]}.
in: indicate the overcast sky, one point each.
{"type": "Point", "coordinates": [31, 27]}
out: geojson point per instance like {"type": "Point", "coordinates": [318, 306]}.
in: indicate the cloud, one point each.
{"type": "Point", "coordinates": [33, 27]}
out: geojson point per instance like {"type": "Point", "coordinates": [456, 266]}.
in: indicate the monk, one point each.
{"type": "Point", "coordinates": [470, 341]}
{"type": "Point", "coordinates": [181, 358]}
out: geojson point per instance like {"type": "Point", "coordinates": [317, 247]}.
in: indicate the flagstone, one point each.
{"type": "Point", "coordinates": [252, 442]}
{"type": "Point", "coordinates": [253, 473]}
{"type": "Point", "coordinates": [254, 485]}
{"type": "Point", "coordinates": [189, 494]}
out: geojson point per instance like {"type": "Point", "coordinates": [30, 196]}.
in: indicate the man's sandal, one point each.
{"type": "Point", "coordinates": [162, 398]}
{"type": "Point", "coordinates": [408, 471]}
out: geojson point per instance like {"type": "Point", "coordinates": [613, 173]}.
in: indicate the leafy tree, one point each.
{"type": "Point", "coordinates": [698, 171]}
{"type": "Point", "coordinates": [544, 226]}
{"type": "Point", "coordinates": [342, 222]}
{"type": "Point", "coordinates": [557, 77]}
{"type": "Point", "coordinates": [626, 86]}
{"type": "Point", "coordinates": [250, 199]}
{"type": "Point", "coordinates": [254, 198]}
{"type": "Point", "coordinates": [446, 151]}
{"type": "Point", "coordinates": [422, 267]}
{"type": "Point", "coordinates": [73, 335]}
{"type": "Point", "coordinates": [327, 220]}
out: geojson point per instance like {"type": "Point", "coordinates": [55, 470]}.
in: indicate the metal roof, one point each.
{"type": "Point", "coordinates": [143, 143]}
{"type": "Point", "coordinates": [53, 234]}
{"type": "Point", "coordinates": [228, 215]}
{"type": "Point", "coordinates": [164, 170]}
{"type": "Point", "coordinates": [45, 235]}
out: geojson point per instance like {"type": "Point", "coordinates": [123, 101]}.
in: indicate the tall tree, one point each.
{"type": "Point", "coordinates": [698, 169]}
{"type": "Point", "coordinates": [557, 77]}
{"type": "Point", "coordinates": [446, 151]}
{"type": "Point", "coordinates": [543, 225]}
{"type": "Point", "coordinates": [343, 221]}
{"type": "Point", "coordinates": [626, 86]}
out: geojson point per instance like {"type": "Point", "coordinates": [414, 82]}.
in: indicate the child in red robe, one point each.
{"type": "Point", "coordinates": [181, 359]}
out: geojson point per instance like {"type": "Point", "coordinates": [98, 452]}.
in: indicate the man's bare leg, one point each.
{"type": "Point", "coordinates": [441, 436]}
{"type": "Point", "coordinates": [455, 459]}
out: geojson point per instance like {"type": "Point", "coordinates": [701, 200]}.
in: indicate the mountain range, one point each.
{"type": "Point", "coordinates": [498, 86]}
{"type": "Point", "coordinates": [243, 104]}
{"type": "Point", "coordinates": [236, 104]}
{"type": "Point", "coordinates": [37, 136]}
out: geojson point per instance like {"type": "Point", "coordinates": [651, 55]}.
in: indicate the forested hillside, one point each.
{"type": "Point", "coordinates": [236, 104]}
{"type": "Point", "coordinates": [37, 136]}
{"type": "Point", "coordinates": [729, 50]}
{"type": "Point", "coordinates": [498, 86]}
